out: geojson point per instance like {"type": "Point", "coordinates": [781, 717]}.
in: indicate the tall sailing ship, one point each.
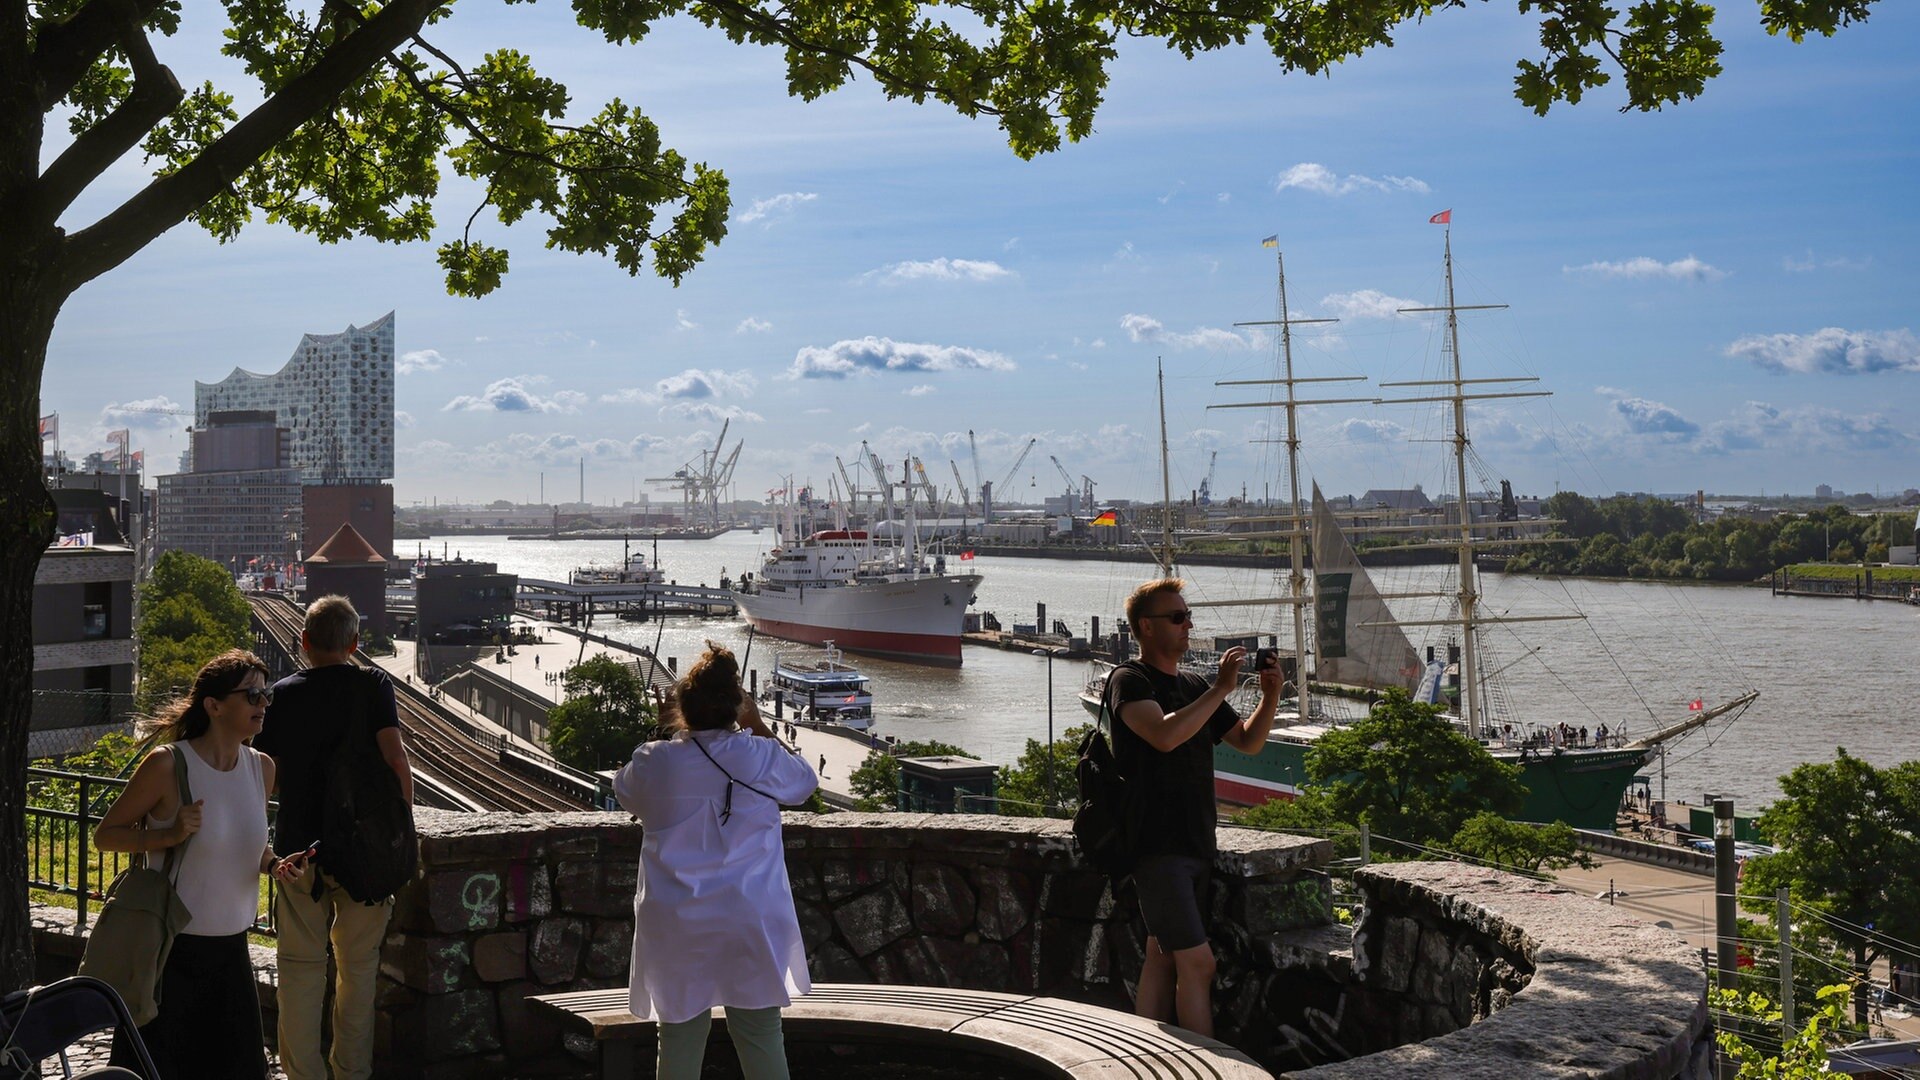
{"type": "Point", "coordinates": [870, 595]}
{"type": "Point", "coordinates": [1572, 774]}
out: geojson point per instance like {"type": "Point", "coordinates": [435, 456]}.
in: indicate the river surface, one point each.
{"type": "Point", "coordinates": [1832, 672]}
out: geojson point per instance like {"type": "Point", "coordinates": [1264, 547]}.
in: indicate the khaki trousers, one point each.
{"type": "Point", "coordinates": [306, 927]}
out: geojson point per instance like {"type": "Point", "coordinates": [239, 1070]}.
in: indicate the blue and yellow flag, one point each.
{"type": "Point", "coordinates": [1271, 241]}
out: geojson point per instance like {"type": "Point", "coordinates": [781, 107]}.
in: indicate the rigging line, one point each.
{"type": "Point", "coordinates": [1608, 652]}
{"type": "Point", "coordinates": [1835, 920]}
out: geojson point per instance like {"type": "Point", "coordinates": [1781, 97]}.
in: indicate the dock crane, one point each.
{"type": "Point", "coordinates": [853, 493]}
{"type": "Point", "coordinates": [1073, 488]}
{"type": "Point", "coordinates": [926, 487]}
{"type": "Point", "coordinates": [701, 482]}
{"type": "Point", "coordinates": [960, 486]}
{"type": "Point", "coordinates": [1206, 484]}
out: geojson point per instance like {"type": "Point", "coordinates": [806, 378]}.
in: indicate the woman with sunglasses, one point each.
{"type": "Point", "coordinates": [714, 922]}
{"type": "Point", "coordinates": [209, 1022]}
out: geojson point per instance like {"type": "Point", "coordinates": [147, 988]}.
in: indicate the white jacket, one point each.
{"type": "Point", "coordinates": [713, 917]}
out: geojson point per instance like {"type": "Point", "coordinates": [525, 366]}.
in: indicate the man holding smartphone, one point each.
{"type": "Point", "coordinates": [1168, 723]}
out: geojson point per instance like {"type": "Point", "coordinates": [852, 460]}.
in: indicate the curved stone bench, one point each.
{"type": "Point", "coordinates": [1065, 1038]}
{"type": "Point", "coordinates": [1532, 980]}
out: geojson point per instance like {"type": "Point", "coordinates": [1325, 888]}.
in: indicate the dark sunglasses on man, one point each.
{"type": "Point", "coordinates": [1177, 618]}
{"type": "Point", "coordinates": [256, 695]}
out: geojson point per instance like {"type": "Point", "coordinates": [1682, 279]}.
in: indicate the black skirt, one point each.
{"type": "Point", "coordinates": [209, 1022]}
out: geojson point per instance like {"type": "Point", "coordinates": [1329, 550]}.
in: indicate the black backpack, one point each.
{"type": "Point", "coordinates": [1104, 824]}
{"type": "Point", "coordinates": [367, 839]}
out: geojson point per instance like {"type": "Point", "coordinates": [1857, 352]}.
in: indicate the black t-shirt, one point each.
{"type": "Point", "coordinates": [312, 712]}
{"type": "Point", "coordinates": [1172, 790]}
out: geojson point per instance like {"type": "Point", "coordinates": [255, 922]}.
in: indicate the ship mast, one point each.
{"type": "Point", "coordinates": [1295, 531]}
{"type": "Point", "coordinates": [1467, 596]}
{"type": "Point", "coordinates": [1166, 477]}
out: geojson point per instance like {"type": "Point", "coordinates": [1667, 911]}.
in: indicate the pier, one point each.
{"type": "Point", "coordinates": [559, 601]}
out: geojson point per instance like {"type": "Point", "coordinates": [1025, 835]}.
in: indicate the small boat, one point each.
{"type": "Point", "coordinates": [826, 689]}
{"type": "Point", "coordinates": [633, 570]}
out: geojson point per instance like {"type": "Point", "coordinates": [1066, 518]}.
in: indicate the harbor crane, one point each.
{"type": "Point", "coordinates": [926, 487]}
{"type": "Point", "coordinates": [853, 493]}
{"type": "Point", "coordinates": [701, 481]}
{"type": "Point", "coordinates": [1206, 483]}
{"type": "Point", "coordinates": [960, 485]}
{"type": "Point", "coordinates": [1073, 489]}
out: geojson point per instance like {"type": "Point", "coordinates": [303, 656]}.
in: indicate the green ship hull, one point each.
{"type": "Point", "coordinates": [1582, 787]}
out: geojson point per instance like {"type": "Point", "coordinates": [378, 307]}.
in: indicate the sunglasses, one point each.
{"type": "Point", "coordinates": [256, 695]}
{"type": "Point", "coordinates": [1177, 618]}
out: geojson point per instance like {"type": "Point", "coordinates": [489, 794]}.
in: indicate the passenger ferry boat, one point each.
{"type": "Point", "coordinates": [633, 570]}
{"type": "Point", "coordinates": [827, 688]}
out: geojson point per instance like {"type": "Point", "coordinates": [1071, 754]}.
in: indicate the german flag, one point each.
{"type": "Point", "coordinates": [1106, 518]}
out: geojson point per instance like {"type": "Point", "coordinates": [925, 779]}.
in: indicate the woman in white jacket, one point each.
{"type": "Point", "coordinates": [713, 920]}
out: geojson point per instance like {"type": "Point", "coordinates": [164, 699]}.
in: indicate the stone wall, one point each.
{"type": "Point", "coordinates": [1482, 974]}
{"type": "Point", "coordinates": [513, 906]}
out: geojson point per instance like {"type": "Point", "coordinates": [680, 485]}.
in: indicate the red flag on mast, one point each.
{"type": "Point", "coordinates": [1444, 217]}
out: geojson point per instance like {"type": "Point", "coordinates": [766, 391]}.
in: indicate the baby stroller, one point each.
{"type": "Point", "coordinates": [43, 1022]}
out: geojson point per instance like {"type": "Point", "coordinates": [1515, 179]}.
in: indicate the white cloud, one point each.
{"type": "Point", "coordinates": [777, 204]}
{"type": "Point", "coordinates": [1309, 176]}
{"type": "Point", "coordinates": [691, 384]}
{"type": "Point", "coordinates": [1366, 304]}
{"type": "Point", "coordinates": [1147, 329]}
{"type": "Point", "coordinates": [1012, 243]}
{"type": "Point", "coordinates": [402, 419]}
{"type": "Point", "coordinates": [1224, 197]}
{"type": "Point", "coordinates": [751, 325]}
{"type": "Point", "coordinates": [876, 354]}
{"type": "Point", "coordinates": [681, 320]}
{"type": "Point", "coordinates": [154, 413]}
{"type": "Point", "coordinates": [1838, 262]}
{"type": "Point", "coordinates": [1687, 269]}
{"type": "Point", "coordinates": [1647, 417]}
{"type": "Point", "coordinates": [940, 269]}
{"type": "Point", "coordinates": [1757, 425]}
{"type": "Point", "coordinates": [919, 391]}
{"type": "Point", "coordinates": [1831, 351]}
{"type": "Point", "coordinates": [421, 360]}
{"type": "Point", "coordinates": [1168, 197]}
{"type": "Point", "coordinates": [710, 412]}
{"type": "Point", "coordinates": [1364, 430]}
{"type": "Point", "coordinates": [513, 395]}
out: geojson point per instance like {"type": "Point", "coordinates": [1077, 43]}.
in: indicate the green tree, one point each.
{"type": "Point", "coordinates": [190, 612]}
{"type": "Point", "coordinates": [1043, 777]}
{"type": "Point", "coordinates": [1803, 1054]}
{"type": "Point", "coordinates": [1849, 838]}
{"type": "Point", "coordinates": [1582, 518]}
{"type": "Point", "coordinates": [876, 783]}
{"type": "Point", "coordinates": [1603, 556]}
{"type": "Point", "coordinates": [1408, 774]}
{"type": "Point", "coordinates": [353, 111]}
{"type": "Point", "coordinates": [1519, 846]}
{"type": "Point", "coordinates": [607, 713]}
{"type": "Point", "coordinates": [1310, 810]}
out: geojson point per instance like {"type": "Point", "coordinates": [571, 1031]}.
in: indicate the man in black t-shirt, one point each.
{"type": "Point", "coordinates": [313, 712]}
{"type": "Point", "coordinates": [1164, 747]}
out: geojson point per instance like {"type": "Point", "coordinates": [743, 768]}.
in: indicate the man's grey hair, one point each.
{"type": "Point", "coordinates": [332, 624]}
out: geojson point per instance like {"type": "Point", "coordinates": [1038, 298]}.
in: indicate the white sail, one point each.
{"type": "Point", "coordinates": [1357, 641]}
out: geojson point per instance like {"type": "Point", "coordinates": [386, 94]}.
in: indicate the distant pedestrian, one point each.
{"type": "Point", "coordinates": [314, 712]}
{"type": "Point", "coordinates": [823, 766]}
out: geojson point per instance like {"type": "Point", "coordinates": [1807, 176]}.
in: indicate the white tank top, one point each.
{"type": "Point", "coordinates": [219, 880]}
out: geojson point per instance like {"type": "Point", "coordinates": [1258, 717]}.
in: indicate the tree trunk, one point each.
{"type": "Point", "coordinates": [1862, 984]}
{"type": "Point", "coordinates": [26, 528]}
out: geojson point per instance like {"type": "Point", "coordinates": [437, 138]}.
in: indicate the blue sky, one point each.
{"type": "Point", "coordinates": [1719, 296]}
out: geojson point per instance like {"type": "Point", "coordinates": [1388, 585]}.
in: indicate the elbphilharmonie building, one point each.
{"type": "Point", "coordinates": [334, 397]}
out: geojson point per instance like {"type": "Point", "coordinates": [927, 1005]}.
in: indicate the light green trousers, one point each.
{"type": "Point", "coordinates": [756, 1038]}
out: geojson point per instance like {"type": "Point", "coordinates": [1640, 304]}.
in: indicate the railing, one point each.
{"type": "Point", "coordinates": [61, 856]}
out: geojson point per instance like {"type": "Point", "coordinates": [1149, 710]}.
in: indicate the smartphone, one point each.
{"type": "Point", "coordinates": [1266, 658]}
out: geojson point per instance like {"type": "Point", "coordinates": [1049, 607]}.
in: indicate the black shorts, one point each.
{"type": "Point", "coordinates": [1173, 895]}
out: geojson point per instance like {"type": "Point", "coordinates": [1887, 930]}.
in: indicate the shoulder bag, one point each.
{"type": "Point", "coordinates": [130, 941]}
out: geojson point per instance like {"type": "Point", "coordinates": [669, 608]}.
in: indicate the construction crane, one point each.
{"type": "Point", "coordinates": [1206, 483]}
{"type": "Point", "coordinates": [1017, 462]}
{"type": "Point", "coordinates": [1073, 489]}
{"type": "Point", "coordinates": [960, 486]}
{"type": "Point", "coordinates": [880, 479]}
{"type": "Point", "coordinates": [974, 449]}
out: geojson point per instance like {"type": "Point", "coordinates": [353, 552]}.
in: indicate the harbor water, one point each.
{"type": "Point", "coordinates": [1632, 655]}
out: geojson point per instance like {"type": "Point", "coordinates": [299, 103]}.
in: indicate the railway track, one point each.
{"type": "Point", "coordinates": [454, 768]}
